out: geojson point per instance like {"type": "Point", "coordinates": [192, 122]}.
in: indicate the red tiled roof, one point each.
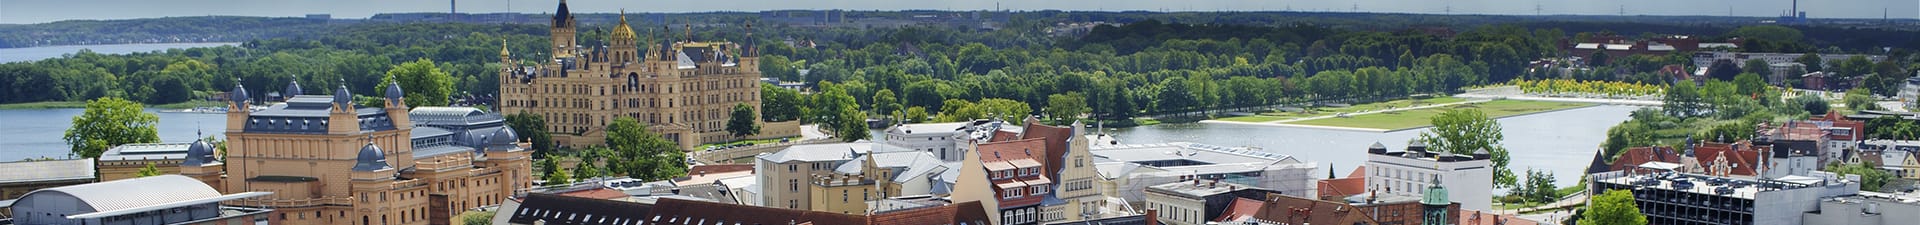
{"type": "Point", "coordinates": [1241, 207]}
{"type": "Point", "coordinates": [1056, 139]}
{"type": "Point", "coordinates": [1006, 153]}
{"type": "Point", "coordinates": [1642, 155]}
{"type": "Point", "coordinates": [1295, 210]}
{"type": "Point", "coordinates": [1742, 158]}
{"type": "Point", "coordinates": [957, 213]}
{"type": "Point", "coordinates": [1355, 183]}
{"type": "Point", "coordinates": [1002, 135]}
{"type": "Point", "coordinates": [596, 193]}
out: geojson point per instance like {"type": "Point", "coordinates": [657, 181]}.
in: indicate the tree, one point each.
{"type": "Point", "coordinates": [149, 171]}
{"type": "Point", "coordinates": [476, 218]}
{"type": "Point", "coordinates": [1856, 99]}
{"type": "Point", "coordinates": [643, 154]}
{"type": "Point", "coordinates": [1616, 207]}
{"type": "Point", "coordinates": [1466, 132]}
{"type": "Point", "coordinates": [550, 166]}
{"type": "Point", "coordinates": [1597, 59]}
{"type": "Point", "coordinates": [885, 103]}
{"type": "Point", "coordinates": [1684, 100]}
{"type": "Point", "coordinates": [1749, 85]}
{"type": "Point", "coordinates": [559, 178]}
{"type": "Point", "coordinates": [425, 84]}
{"type": "Point", "coordinates": [1871, 177]}
{"type": "Point", "coordinates": [1723, 69]}
{"type": "Point", "coordinates": [1064, 107]}
{"type": "Point", "coordinates": [109, 122]}
{"type": "Point", "coordinates": [1758, 66]}
{"type": "Point", "coordinates": [916, 114]}
{"type": "Point", "coordinates": [587, 169]}
{"type": "Point", "coordinates": [852, 125]}
{"type": "Point", "coordinates": [1539, 187]}
{"type": "Point", "coordinates": [779, 104]}
{"type": "Point", "coordinates": [532, 127]}
{"type": "Point", "coordinates": [1812, 62]}
{"type": "Point", "coordinates": [741, 123]}
{"type": "Point", "coordinates": [1814, 105]}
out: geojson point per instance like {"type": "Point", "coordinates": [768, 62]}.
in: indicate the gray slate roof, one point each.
{"type": "Point", "coordinates": [146, 151]}
{"type": "Point", "coordinates": [914, 163]}
{"type": "Point", "coordinates": [820, 152]}
{"type": "Point", "coordinates": [50, 170]}
{"type": "Point", "coordinates": [154, 190]}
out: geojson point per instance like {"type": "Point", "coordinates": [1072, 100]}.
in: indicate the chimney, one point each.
{"type": "Point", "coordinates": [1153, 217]}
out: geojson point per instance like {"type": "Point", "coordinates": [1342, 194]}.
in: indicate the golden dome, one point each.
{"type": "Point", "coordinates": [622, 32]}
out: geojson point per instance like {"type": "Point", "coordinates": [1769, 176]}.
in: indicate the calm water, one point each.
{"type": "Point", "coordinates": [34, 133]}
{"type": "Point", "coordinates": [1562, 142]}
{"type": "Point", "coordinates": [8, 55]}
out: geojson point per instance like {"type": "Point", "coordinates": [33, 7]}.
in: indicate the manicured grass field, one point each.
{"type": "Point", "coordinates": [1324, 111]}
{"type": "Point", "coordinates": [1422, 117]}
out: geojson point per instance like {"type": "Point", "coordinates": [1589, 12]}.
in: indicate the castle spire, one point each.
{"type": "Point", "coordinates": [503, 47]}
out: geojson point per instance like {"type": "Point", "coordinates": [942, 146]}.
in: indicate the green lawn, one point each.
{"type": "Point", "coordinates": [1323, 111]}
{"type": "Point", "coordinates": [44, 105]}
{"type": "Point", "coordinates": [1422, 117]}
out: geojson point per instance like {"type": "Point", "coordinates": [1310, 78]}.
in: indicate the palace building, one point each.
{"type": "Point", "coordinates": [328, 161]}
{"type": "Point", "coordinates": [682, 89]}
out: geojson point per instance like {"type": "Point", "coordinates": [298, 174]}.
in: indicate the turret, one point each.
{"type": "Point", "coordinates": [293, 88]}
{"type": "Point", "coordinates": [200, 164]}
{"type": "Point", "coordinates": [370, 158]}
{"type": "Point", "coordinates": [342, 119]}
{"type": "Point", "coordinates": [237, 107]}
{"type": "Point", "coordinates": [397, 105]}
{"type": "Point", "coordinates": [1377, 148]}
{"type": "Point", "coordinates": [563, 32]}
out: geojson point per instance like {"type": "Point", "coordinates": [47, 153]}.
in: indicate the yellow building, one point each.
{"type": "Point", "coordinates": [328, 161]}
{"type": "Point", "coordinates": [841, 193]}
{"type": "Point", "coordinates": [126, 161]}
{"type": "Point", "coordinates": [682, 89]}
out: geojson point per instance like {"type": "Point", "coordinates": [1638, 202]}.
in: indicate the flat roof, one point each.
{"type": "Point", "coordinates": [820, 152]}
{"type": "Point", "coordinates": [1202, 153]}
{"type": "Point", "coordinates": [146, 151]}
{"type": "Point", "coordinates": [1192, 190]}
{"type": "Point", "coordinates": [1706, 185]}
{"type": "Point", "coordinates": [47, 170]}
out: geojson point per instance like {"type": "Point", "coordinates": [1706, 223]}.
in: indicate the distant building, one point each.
{"type": "Point", "coordinates": [1128, 170]}
{"type": "Point", "coordinates": [1685, 198]}
{"type": "Point", "coordinates": [1867, 208]}
{"type": "Point", "coordinates": [945, 140]}
{"type": "Point", "coordinates": [1910, 92]}
{"type": "Point", "coordinates": [785, 176]}
{"type": "Point", "coordinates": [27, 176]}
{"type": "Point", "coordinates": [1411, 172]}
{"type": "Point", "coordinates": [163, 199]}
{"type": "Point", "coordinates": [682, 89]}
{"type": "Point", "coordinates": [1197, 202]}
{"type": "Point", "coordinates": [557, 209]}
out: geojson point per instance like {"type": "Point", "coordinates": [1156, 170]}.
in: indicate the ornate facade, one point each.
{"type": "Point", "coordinates": [327, 161]}
{"type": "Point", "coordinates": [682, 89]}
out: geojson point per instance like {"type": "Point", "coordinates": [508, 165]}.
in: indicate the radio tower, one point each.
{"type": "Point", "coordinates": [1536, 8]}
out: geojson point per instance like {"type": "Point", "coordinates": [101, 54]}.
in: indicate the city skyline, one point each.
{"type": "Point", "coordinates": [43, 11]}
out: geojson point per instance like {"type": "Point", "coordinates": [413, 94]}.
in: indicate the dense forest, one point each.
{"type": "Point", "coordinates": [1146, 66]}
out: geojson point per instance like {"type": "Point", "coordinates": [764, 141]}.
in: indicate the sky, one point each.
{"type": "Point", "coordinates": [42, 11]}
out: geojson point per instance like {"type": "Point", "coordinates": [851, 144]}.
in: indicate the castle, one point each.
{"type": "Point", "coordinates": [683, 90]}
{"type": "Point", "coordinates": [328, 161]}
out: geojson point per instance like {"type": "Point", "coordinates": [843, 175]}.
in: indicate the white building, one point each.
{"type": "Point", "coordinates": [1127, 170]}
{"type": "Point", "coordinates": [1867, 208]}
{"type": "Point", "coordinates": [945, 140]}
{"type": "Point", "coordinates": [1667, 197]}
{"type": "Point", "coordinates": [1469, 179]}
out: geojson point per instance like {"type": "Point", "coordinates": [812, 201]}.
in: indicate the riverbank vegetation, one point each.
{"type": "Point", "coordinates": [1416, 118]}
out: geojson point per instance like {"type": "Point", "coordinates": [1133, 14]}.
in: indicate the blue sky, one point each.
{"type": "Point", "coordinates": [41, 11]}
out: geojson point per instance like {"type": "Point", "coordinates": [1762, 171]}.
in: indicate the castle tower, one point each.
{"type": "Point", "coordinates": [342, 118]}
{"type": "Point", "coordinates": [237, 107]}
{"type": "Point", "coordinates": [625, 49]}
{"type": "Point", "coordinates": [372, 178]}
{"type": "Point", "coordinates": [200, 164]}
{"type": "Point", "coordinates": [563, 28]}
{"type": "Point", "coordinates": [397, 105]}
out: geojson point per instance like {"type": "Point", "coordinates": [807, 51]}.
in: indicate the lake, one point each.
{"type": "Point", "coordinates": [8, 55]}
{"type": "Point", "coordinates": [35, 133]}
{"type": "Point", "coordinates": [1562, 142]}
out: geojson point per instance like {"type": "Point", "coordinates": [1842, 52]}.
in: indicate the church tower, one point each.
{"type": "Point", "coordinates": [563, 32]}
{"type": "Point", "coordinates": [1434, 205]}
